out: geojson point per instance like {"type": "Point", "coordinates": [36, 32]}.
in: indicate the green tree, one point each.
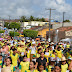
{"type": "Point", "coordinates": [6, 25]}
{"type": "Point", "coordinates": [2, 31]}
{"type": "Point", "coordinates": [30, 33]}
{"type": "Point", "coordinates": [36, 19]}
{"type": "Point", "coordinates": [23, 19]}
{"type": "Point", "coordinates": [67, 21]}
{"type": "Point", "coordinates": [31, 18]}
{"type": "Point", "coordinates": [15, 25]}
{"type": "Point", "coordinates": [42, 19]}
{"type": "Point", "coordinates": [11, 33]}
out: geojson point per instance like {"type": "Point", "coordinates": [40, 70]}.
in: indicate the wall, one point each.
{"type": "Point", "coordinates": [33, 23]}
{"type": "Point", "coordinates": [55, 26]}
{"type": "Point", "coordinates": [43, 32]}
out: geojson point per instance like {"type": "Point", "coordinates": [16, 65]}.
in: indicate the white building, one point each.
{"type": "Point", "coordinates": [33, 23]}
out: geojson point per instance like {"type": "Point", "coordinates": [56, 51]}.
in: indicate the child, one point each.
{"type": "Point", "coordinates": [0, 61]}
{"type": "Point", "coordinates": [64, 65]}
{"type": "Point", "coordinates": [51, 65]}
{"type": "Point", "coordinates": [47, 54]}
{"type": "Point", "coordinates": [31, 65]}
{"type": "Point", "coordinates": [28, 51]}
{"type": "Point", "coordinates": [57, 68]}
{"type": "Point", "coordinates": [59, 54]}
{"type": "Point", "coordinates": [9, 64]}
{"type": "Point", "coordinates": [41, 68]}
{"type": "Point", "coordinates": [24, 65]}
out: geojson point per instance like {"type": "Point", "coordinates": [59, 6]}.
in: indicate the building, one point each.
{"type": "Point", "coordinates": [1, 23]}
{"type": "Point", "coordinates": [34, 23]}
{"type": "Point", "coordinates": [13, 20]}
{"type": "Point", "coordinates": [63, 32]}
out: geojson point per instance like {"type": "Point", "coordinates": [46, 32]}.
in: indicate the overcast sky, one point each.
{"type": "Point", "coordinates": [17, 8]}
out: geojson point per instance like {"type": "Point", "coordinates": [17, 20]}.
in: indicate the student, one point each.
{"type": "Point", "coordinates": [51, 64]}
{"type": "Point", "coordinates": [41, 68]}
{"type": "Point", "coordinates": [0, 61]}
{"type": "Point", "coordinates": [9, 64]}
{"type": "Point", "coordinates": [24, 65]}
{"type": "Point", "coordinates": [47, 54]}
{"type": "Point", "coordinates": [37, 55]}
{"type": "Point", "coordinates": [32, 66]}
{"type": "Point", "coordinates": [28, 51]}
{"type": "Point", "coordinates": [68, 45]}
{"type": "Point", "coordinates": [14, 57]}
{"type": "Point", "coordinates": [57, 68]}
{"type": "Point", "coordinates": [59, 54]}
{"type": "Point", "coordinates": [64, 65]}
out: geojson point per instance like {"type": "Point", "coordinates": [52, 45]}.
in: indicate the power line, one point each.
{"type": "Point", "coordinates": [49, 39]}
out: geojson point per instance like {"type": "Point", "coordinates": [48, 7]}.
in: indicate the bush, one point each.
{"type": "Point", "coordinates": [30, 33]}
{"type": "Point", "coordinates": [2, 31]}
{"type": "Point", "coordinates": [11, 33]}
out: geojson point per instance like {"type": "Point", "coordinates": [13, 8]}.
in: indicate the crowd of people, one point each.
{"type": "Point", "coordinates": [35, 56]}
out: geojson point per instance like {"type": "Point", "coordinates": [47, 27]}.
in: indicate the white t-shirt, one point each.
{"type": "Point", "coordinates": [33, 50]}
{"type": "Point", "coordinates": [46, 53]}
{"type": "Point", "coordinates": [64, 45]}
{"type": "Point", "coordinates": [52, 47]}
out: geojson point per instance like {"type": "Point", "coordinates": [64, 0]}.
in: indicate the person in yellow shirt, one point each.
{"type": "Point", "coordinates": [8, 64]}
{"type": "Point", "coordinates": [47, 54]}
{"type": "Point", "coordinates": [50, 50]}
{"type": "Point", "coordinates": [53, 54]}
{"type": "Point", "coordinates": [28, 51]}
{"type": "Point", "coordinates": [0, 61]}
{"type": "Point", "coordinates": [37, 55]}
{"type": "Point", "coordinates": [68, 45]}
{"type": "Point", "coordinates": [23, 41]}
{"type": "Point", "coordinates": [14, 57]}
{"type": "Point", "coordinates": [70, 58]}
{"type": "Point", "coordinates": [64, 65]}
{"type": "Point", "coordinates": [51, 64]}
{"type": "Point", "coordinates": [24, 65]}
{"type": "Point", "coordinates": [59, 54]}
{"type": "Point", "coordinates": [31, 65]}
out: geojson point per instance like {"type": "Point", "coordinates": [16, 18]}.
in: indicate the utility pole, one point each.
{"type": "Point", "coordinates": [63, 19]}
{"type": "Point", "coordinates": [49, 39]}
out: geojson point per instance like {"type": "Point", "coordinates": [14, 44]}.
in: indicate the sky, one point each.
{"type": "Point", "coordinates": [37, 8]}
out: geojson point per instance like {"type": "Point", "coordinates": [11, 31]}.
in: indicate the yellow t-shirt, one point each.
{"type": "Point", "coordinates": [14, 59]}
{"type": "Point", "coordinates": [46, 46]}
{"type": "Point", "coordinates": [43, 71]}
{"type": "Point", "coordinates": [0, 62]}
{"type": "Point", "coordinates": [11, 67]}
{"type": "Point", "coordinates": [50, 51]}
{"type": "Point", "coordinates": [49, 68]}
{"type": "Point", "coordinates": [32, 71]}
{"type": "Point", "coordinates": [22, 50]}
{"type": "Point", "coordinates": [64, 68]}
{"type": "Point", "coordinates": [53, 56]}
{"type": "Point", "coordinates": [28, 53]}
{"type": "Point", "coordinates": [23, 43]}
{"type": "Point", "coordinates": [59, 53]}
{"type": "Point", "coordinates": [37, 55]}
{"type": "Point", "coordinates": [68, 46]}
{"type": "Point", "coordinates": [24, 66]}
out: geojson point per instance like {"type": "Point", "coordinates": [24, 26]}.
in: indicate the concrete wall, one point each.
{"type": "Point", "coordinates": [55, 26]}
